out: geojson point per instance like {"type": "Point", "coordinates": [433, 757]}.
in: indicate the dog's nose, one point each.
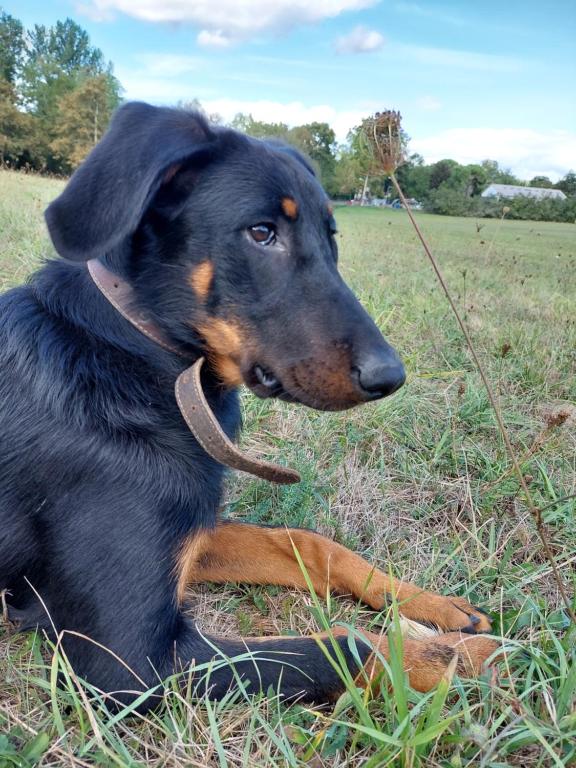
{"type": "Point", "coordinates": [380, 374]}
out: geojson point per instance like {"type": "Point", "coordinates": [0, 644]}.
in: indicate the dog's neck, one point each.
{"type": "Point", "coordinates": [121, 295]}
{"type": "Point", "coordinates": [188, 390]}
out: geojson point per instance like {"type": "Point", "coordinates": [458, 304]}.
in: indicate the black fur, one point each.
{"type": "Point", "coordinates": [100, 480]}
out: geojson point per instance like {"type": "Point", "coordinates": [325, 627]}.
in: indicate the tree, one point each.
{"type": "Point", "coordinates": [497, 175]}
{"type": "Point", "coordinates": [349, 174]}
{"type": "Point", "coordinates": [441, 171]}
{"type": "Point", "coordinates": [568, 184]}
{"type": "Point", "coordinates": [541, 181]}
{"type": "Point", "coordinates": [58, 57]}
{"type": "Point", "coordinates": [477, 180]}
{"type": "Point", "coordinates": [11, 48]}
{"type": "Point", "coordinates": [67, 45]}
{"type": "Point", "coordinates": [258, 128]}
{"type": "Point", "coordinates": [318, 142]}
{"type": "Point", "coordinates": [59, 60]}
{"type": "Point", "coordinates": [413, 177]}
{"type": "Point", "coordinates": [83, 115]}
{"type": "Point", "coordinates": [16, 130]}
{"type": "Point", "coordinates": [370, 179]}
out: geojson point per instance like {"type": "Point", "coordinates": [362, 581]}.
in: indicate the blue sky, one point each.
{"type": "Point", "coordinates": [472, 80]}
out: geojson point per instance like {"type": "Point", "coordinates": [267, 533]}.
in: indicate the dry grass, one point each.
{"type": "Point", "coordinates": [420, 480]}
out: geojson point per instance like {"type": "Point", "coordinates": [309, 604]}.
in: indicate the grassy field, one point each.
{"type": "Point", "coordinates": [419, 482]}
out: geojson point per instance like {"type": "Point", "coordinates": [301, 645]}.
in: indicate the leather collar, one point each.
{"type": "Point", "coordinates": [188, 388]}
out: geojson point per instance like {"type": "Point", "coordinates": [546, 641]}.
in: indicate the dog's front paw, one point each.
{"type": "Point", "coordinates": [427, 662]}
{"type": "Point", "coordinates": [446, 613]}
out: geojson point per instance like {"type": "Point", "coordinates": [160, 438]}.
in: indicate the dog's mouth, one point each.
{"type": "Point", "coordinates": [264, 383]}
{"type": "Point", "coordinates": [266, 378]}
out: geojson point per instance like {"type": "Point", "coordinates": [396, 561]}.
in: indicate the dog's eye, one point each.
{"type": "Point", "coordinates": [263, 234]}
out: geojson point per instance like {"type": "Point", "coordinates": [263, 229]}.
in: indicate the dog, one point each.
{"type": "Point", "coordinates": [108, 502]}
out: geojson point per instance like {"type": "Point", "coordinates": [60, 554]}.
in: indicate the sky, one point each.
{"type": "Point", "coordinates": [473, 80]}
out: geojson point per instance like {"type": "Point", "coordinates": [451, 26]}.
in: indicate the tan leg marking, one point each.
{"type": "Point", "coordinates": [427, 661]}
{"type": "Point", "coordinates": [242, 553]}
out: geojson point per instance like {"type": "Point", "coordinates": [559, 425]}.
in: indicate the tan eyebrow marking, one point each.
{"type": "Point", "coordinates": [290, 207]}
{"type": "Point", "coordinates": [201, 279]}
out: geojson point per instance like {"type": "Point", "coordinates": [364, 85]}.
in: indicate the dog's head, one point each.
{"type": "Point", "coordinates": [229, 243]}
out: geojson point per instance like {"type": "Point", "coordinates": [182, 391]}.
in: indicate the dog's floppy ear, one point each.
{"type": "Point", "coordinates": [107, 196]}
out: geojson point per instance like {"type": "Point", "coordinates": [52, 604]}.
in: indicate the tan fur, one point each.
{"type": "Point", "coordinates": [189, 553]}
{"type": "Point", "coordinates": [236, 552]}
{"type": "Point", "coordinates": [223, 337]}
{"type": "Point", "coordinates": [201, 279]}
{"type": "Point", "coordinates": [227, 370]}
{"type": "Point", "coordinates": [290, 208]}
{"type": "Point", "coordinates": [224, 340]}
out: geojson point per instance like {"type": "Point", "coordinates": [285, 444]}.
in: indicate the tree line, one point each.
{"type": "Point", "coordinates": [58, 92]}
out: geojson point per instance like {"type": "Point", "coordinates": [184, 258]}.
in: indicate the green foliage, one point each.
{"type": "Point", "coordinates": [16, 128]}
{"type": "Point", "coordinates": [316, 140]}
{"type": "Point", "coordinates": [449, 201]}
{"type": "Point", "coordinates": [259, 129]}
{"type": "Point", "coordinates": [452, 201]}
{"type": "Point", "coordinates": [414, 178]}
{"type": "Point", "coordinates": [450, 189]}
{"type": "Point", "coordinates": [497, 175]}
{"type": "Point", "coordinates": [12, 47]}
{"type": "Point", "coordinates": [83, 115]}
{"type": "Point", "coordinates": [568, 184]}
{"type": "Point", "coordinates": [349, 173]}
{"type": "Point", "coordinates": [441, 172]}
{"type": "Point", "coordinates": [541, 181]}
{"type": "Point", "coordinates": [526, 208]}
{"type": "Point", "coordinates": [51, 72]}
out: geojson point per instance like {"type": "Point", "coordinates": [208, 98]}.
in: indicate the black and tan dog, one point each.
{"type": "Point", "coordinates": [108, 503]}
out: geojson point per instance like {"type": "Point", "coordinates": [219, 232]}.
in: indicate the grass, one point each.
{"type": "Point", "coordinates": [420, 481]}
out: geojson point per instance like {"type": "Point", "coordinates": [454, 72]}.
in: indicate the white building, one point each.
{"type": "Point", "coordinates": [510, 191]}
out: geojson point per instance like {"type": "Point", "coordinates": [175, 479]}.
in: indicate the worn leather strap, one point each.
{"type": "Point", "coordinates": [188, 389]}
{"type": "Point", "coordinates": [120, 294]}
{"type": "Point", "coordinates": [206, 429]}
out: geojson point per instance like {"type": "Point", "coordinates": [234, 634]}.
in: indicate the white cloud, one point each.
{"type": "Point", "coordinates": [526, 152]}
{"type": "Point", "coordinates": [229, 20]}
{"type": "Point", "coordinates": [428, 103]}
{"type": "Point", "coordinates": [360, 40]}
{"type": "Point", "coordinates": [215, 39]}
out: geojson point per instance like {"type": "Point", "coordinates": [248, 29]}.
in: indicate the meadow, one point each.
{"type": "Point", "coordinates": [419, 483]}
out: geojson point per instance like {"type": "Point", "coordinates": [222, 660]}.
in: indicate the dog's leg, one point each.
{"type": "Point", "coordinates": [239, 552]}
{"type": "Point", "coordinates": [299, 667]}
{"type": "Point", "coordinates": [123, 630]}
